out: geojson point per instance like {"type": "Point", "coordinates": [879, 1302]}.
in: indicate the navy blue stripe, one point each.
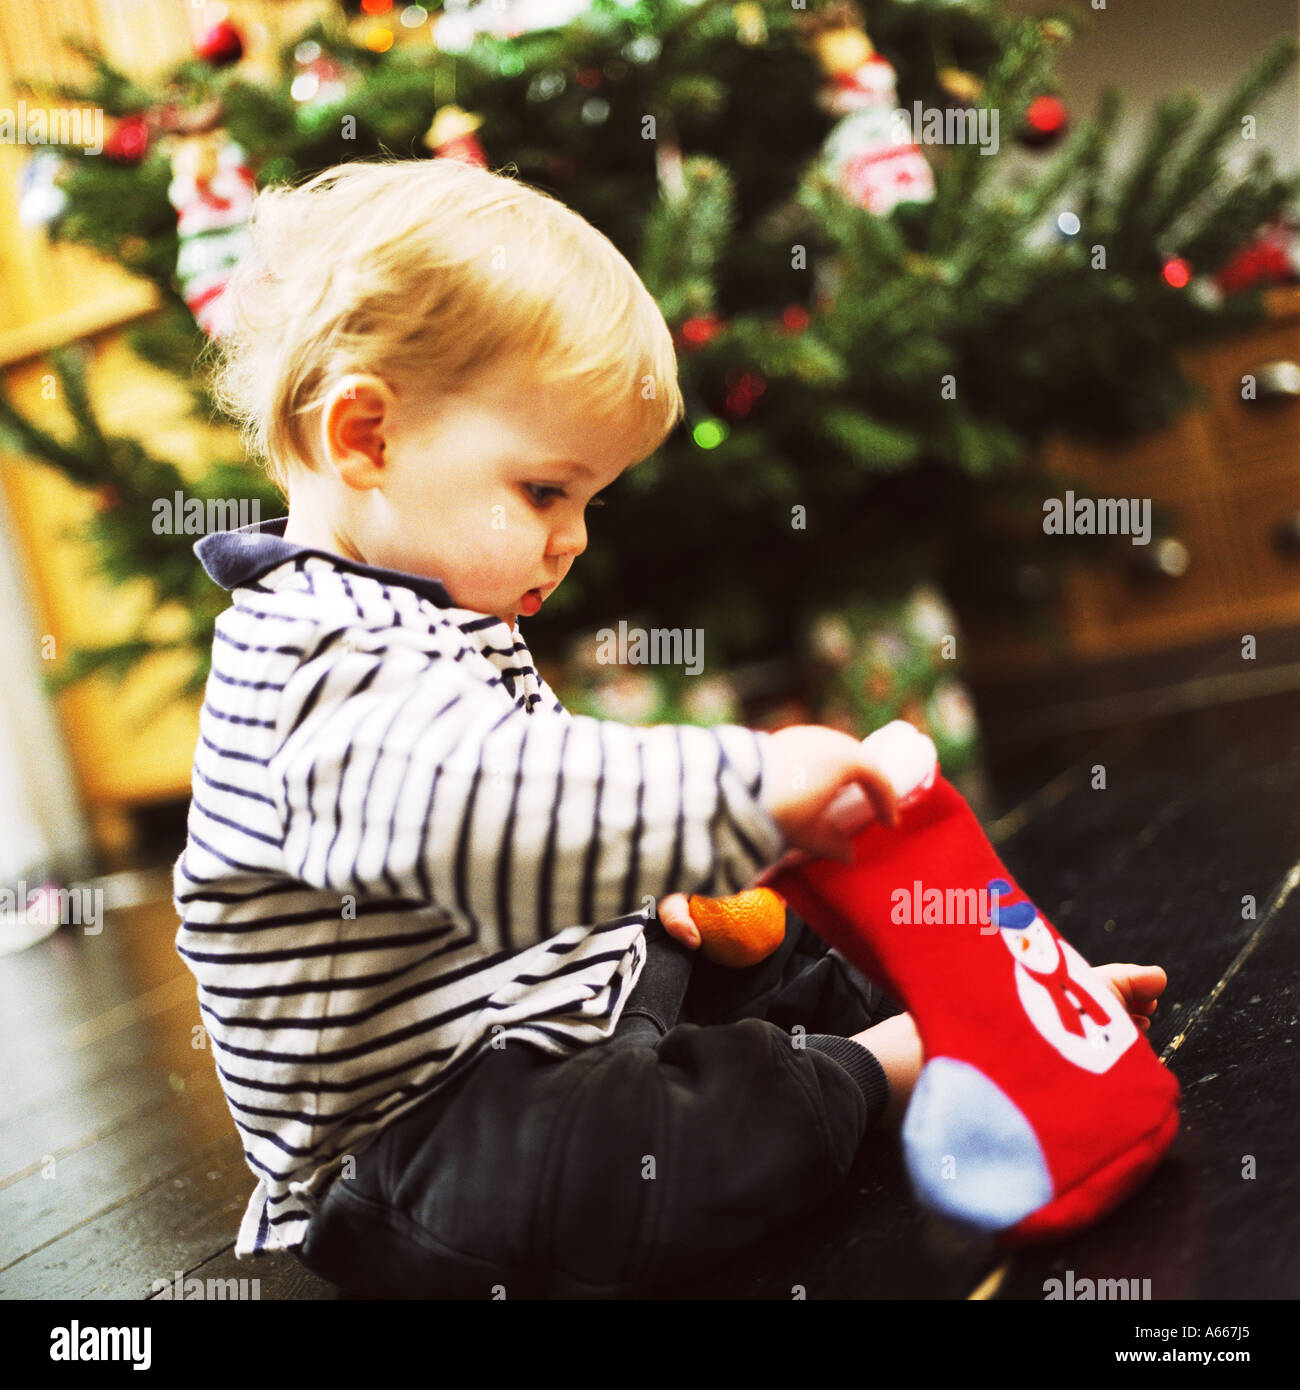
{"type": "Point", "coordinates": [370, 907]}
{"type": "Point", "coordinates": [216, 713]}
{"type": "Point", "coordinates": [422, 858]}
{"type": "Point", "coordinates": [274, 840]}
{"type": "Point", "coordinates": [506, 858]}
{"type": "Point", "coordinates": [247, 685]}
{"type": "Point", "coordinates": [586, 897]}
{"type": "Point", "coordinates": [252, 647]}
{"type": "Point", "coordinates": [333, 948]}
{"type": "Point", "coordinates": [546, 869]}
{"type": "Point", "coordinates": [233, 790]}
{"type": "Point", "coordinates": [231, 753]}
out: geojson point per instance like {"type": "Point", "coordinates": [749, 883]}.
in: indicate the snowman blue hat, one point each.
{"type": "Point", "coordinates": [1015, 915]}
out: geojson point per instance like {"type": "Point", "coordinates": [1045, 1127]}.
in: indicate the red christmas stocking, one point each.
{"type": "Point", "coordinates": [1040, 1105]}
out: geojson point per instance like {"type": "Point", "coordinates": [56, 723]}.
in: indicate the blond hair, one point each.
{"type": "Point", "coordinates": [426, 272]}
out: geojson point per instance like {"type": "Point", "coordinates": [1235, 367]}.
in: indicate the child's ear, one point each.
{"type": "Point", "coordinates": [355, 419]}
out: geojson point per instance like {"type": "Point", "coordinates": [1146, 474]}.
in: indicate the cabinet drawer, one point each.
{"type": "Point", "coordinates": [1255, 520]}
{"type": "Point", "coordinates": [1252, 438]}
{"type": "Point", "coordinates": [1127, 603]}
{"type": "Point", "coordinates": [1168, 462]}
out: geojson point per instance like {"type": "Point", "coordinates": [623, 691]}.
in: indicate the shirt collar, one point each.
{"type": "Point", "coordinates": [232, 558]}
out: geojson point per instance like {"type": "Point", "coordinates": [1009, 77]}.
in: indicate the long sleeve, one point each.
{"type": "Point", "coordinates": [398, 774]}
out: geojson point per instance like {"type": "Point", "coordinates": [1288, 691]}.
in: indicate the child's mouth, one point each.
{"type": "Point", "coordinates": [532, 602]}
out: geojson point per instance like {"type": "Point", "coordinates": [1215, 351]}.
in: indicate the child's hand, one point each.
{"type": "Point", "coordinates": [809, 766]}
{"type": "Point", "coordinates": [675, 914]}
{"type": "Point", "coordinates": [1137, 987]}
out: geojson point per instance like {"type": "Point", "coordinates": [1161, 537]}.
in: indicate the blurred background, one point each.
{"type": "Point", "coordinates": [1071, 271]}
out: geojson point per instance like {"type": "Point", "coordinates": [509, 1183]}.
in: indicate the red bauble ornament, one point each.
{"type": "Point", "coordinates": [694, 333]}
{"type": "Point", "coordinates": [1046, 121]}
{"type": "Point", "coordinates": [743, 390]}
{"type": "Point", "coordinates": [1177, 273]}
{"type": "Point", "coordinates": [129, 142]}
{"type": "Point", "coordinates": [795, 319]}
{"type": "Point", "coordinates": [1270, 259]}
{"type": "Point", "coordinates": [221, 45]}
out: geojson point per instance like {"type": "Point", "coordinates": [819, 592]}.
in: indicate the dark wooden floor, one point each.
{"type": "Point", "coordinates": [119, 1164]}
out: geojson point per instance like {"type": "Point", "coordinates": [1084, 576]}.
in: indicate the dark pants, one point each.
{"type": "Point", "coordinates": [700, 1126]}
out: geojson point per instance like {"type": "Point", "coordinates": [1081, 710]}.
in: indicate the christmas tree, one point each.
{"type": "Point", "coordinates": [877, 324]}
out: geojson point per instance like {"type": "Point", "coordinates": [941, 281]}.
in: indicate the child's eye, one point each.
{"type": "Point", "coordinates": [535, 488]}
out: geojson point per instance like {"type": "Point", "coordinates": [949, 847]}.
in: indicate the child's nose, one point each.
{"type": "Point", "coordinates": [570, 538]}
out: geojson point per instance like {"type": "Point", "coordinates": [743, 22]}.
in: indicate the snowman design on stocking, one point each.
{"type": "Point", "coordinates": [1087, 1026]}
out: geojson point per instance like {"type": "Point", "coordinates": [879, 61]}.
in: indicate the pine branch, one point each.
{"type": "Point", "coordinates": [1092, 170]}
{"type": "Point", "coordinates": [1185, 177]}
{"type": "Point", "coordinates": [880, 447]}
{"type": "Point", "coordinates": [685, 235]}
{"type": "Point", "coordinates": [1009, 87]}
{"type": "Point", "coordinates": [1132, 218]}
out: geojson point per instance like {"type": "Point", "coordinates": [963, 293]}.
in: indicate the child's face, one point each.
{"type": "Point", "coordinates": [486, 490]}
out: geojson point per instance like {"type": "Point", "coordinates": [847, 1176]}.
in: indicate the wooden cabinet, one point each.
{"type": "Point", "coordinates": [127, 747]}
{"type": "Point", "coordinates": [1223, 481]}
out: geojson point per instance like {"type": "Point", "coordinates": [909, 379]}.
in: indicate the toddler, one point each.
{"type": "Point", "coordinates": [438, 924]}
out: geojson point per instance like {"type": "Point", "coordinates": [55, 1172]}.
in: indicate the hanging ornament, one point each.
{"type": "Point", "coordinates": [696, 332]}
{"type": "Point", "coordinates": [795, 319]}
{"type": "Point", "coordinates": [454, 31]}
{"type": "Point", "coordinates": [1204, 290]}
{"type": "Point", "coordinates": [319, 85]}
{"type": "Point", "coordinates": [869, 158]}
{"type": "Point", "coordinates": [222, 45]}
{"type": "Point", "coordinates": [1068, 224]}
{"type": "Point", "coordinates": [1046, 120]}
{"type": "Point", "coordinates": [1176, 273]}
{"type": "Point", "coordinates": [128, 143]}
{"type": "Point", "coordinates": [1054, 31]}
{"type": "Point", "coordinates": [750, 27]}
{"type": "Point", "coordinates": [379, 25]}
{"type": "Point", "coordinates": [319, 79]}
{"type": "Point", "coordinates": [744, 388]}
{"type": "Point", "coordinates": [212, 190]}
{"type": "Point", "coordinates": [452, 136]}
{"type": "Point", "coordinates": [709, 432]}
{"type": "Point", "coordinates": [960, 87]}
{"type": "Point", "coordinates": [669, 168]}
{"type": "Point", "coordinates": [413, 24]}
{"type": "Point", "coordinates": [1271, 257]}
{"type": "Point", "coordinates": [40, 199]}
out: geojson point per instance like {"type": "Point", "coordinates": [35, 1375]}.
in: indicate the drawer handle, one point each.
{"type": "Point", "coordinates": [1277, 380]}
{"type": "Point", "coordinates": [1165, 558]}
{"type": "Point", "coordinates": [1287, 534]}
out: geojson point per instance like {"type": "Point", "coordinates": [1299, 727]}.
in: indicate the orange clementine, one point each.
{"type": "Point", "coordinates": [742, 929]}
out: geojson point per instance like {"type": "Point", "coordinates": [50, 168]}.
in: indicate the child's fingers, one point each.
{"type": "Point", "coordinates": [880, 792]}
{"type": "Point", "coordinates": [675, 914]}
{"type": "Point", "coordinates": [1145, 983]}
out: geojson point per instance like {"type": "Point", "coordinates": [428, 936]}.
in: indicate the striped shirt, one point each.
{"type": "Point", "coordinates": [401, 845]}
